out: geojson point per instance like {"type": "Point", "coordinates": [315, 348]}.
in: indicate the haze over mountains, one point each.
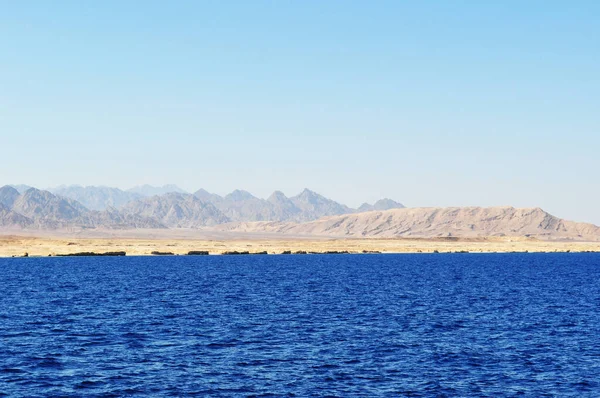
{"type": "Point", "coordinates": [171, 207]}
{"type": "Point", "coordinates": [97, 198]}
{"type": "Point", "coordinates": [149, 190]}
{"type": "Point", "coordinates": [307, 213]}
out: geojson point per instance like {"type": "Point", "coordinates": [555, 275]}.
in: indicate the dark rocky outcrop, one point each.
{"type": "Point", "coordinates": [93, 254]}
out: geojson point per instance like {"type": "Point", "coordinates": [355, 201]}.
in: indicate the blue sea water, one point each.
{"type": "Point", "coordinates": [301, 325]}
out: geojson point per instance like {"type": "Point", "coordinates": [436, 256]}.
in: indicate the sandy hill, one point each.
{"type": "Point", "coordinates": [434, 222]}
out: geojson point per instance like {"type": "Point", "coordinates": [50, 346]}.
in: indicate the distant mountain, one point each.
{"type": "Point", "coordinates": [365, 207]}
{"type": "Point", "coordinates": [239, 195]}
{"type": "Point", "coordinates": [380, 205]}
{"type": "Point", "coordinates": [8, 195]}
{"type": "Point", "coordinates": [114, 219]}
{"type": "Point", "coordinates": [206, 196]}
{"type": "Point", "coordinates": [283, 208]}
{"type": "Point", "coordinates": [307, 213]}
{"type": "Point", "coordinates": [42, 209]}
{"type": "Point", "coordinates": [46, 209]}
{"type": "Point", "coordinates": [21, 187]}
{"type": "Point", "coordinates": [149, 190]}
{"type": "Point", "coordinates": [241, 205]}
{"type": "Point", "coordinates": [238, 206]}
{"type": "Point", "coordinates": [314, 206]}
{"type": "Point", "coordinates": [176, 210]}
{"type": "Point", "coordinates": [9, 218]}
{"type": "Point", "coordinates": [96, 198]}
{"type": "Point", "coordinates": [473, 222]}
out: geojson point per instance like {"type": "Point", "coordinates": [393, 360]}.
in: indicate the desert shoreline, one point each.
{"type": "Point", "coordinates": [43, 246]}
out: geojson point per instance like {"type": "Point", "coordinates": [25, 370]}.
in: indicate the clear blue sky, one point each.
{"type": "Point", "coordinates": [430, 103]}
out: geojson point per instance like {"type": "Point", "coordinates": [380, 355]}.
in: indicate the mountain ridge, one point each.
{"type": "Point", "coordinates": [94, 206]}
{"type": "Point", "coordinates": [433, 222]}
{"type": "Point", "coordinates": [96, 197]}
{"type": "Point", "coordinates": [150, 190]}
{"type": "Point", "coordinates": [305, 214]}
{"type": "Point", "coordinates": [238, 205]}
{"type": "Point", "coordinates": [176, 210]}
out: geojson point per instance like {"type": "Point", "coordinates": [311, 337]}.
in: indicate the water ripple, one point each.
{"type": "Point", "coordinates": [272, 326]}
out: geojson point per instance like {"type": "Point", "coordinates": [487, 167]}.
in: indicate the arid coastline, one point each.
{"type": "Point", "coordinates": [18, 245]}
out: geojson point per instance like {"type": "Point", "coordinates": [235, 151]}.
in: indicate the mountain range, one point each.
{"type": "Point", "coordinates": [97, 198]}
{"type": "Point", "coordinates": [305, 214]}
{"type": "Point", "coordinates": [149, 190]}
{"type": "Point", "coordinates": [94, 207]}
{"type": "Point", "coordinates": [306, 206]}
{"type": "Point", "coordinates": [464, 222]}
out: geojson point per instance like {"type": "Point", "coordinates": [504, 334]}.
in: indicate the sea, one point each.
{"type": "Point", "coordinates": [370, 325]}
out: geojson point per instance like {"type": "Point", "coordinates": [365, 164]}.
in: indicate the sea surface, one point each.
{"type": "Point", "coordinates": [302, 325]}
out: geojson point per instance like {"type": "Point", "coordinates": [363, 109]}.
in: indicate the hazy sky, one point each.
{"type": "Point", "coordinates": [426, 102]}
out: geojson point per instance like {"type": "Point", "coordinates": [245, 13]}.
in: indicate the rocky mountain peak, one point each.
{"type": "Point", "coordinates": [206, 196]}
{"type": "Point", "coordinates": [96, 197]}
{"type": "Point", "coordinates": [35, 203]}
{"type": "Point", "coordinates": [277, 197]}
{"type": "Point", "coordinates": [8, 195]}
{"type": "Point", "coordinates": [313, 206]}
{"type": "Point", "coordinates": [380, 205]}
{"type": "Point", "coordinates": [308, 195]}
{"type": "Point", "coordinates": [21, 187]}
{"type": "Point", "coordinates": [114, 208]}
{"type": "Point", "coordinates": [176, 210]}
{"type": "Point", "coordinates": [239, 195]}
{"type": "Point", "coordinates": [149, 190]}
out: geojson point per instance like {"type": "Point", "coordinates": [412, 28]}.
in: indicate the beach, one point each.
{"type": "Point", "coordinates": [18, 245]}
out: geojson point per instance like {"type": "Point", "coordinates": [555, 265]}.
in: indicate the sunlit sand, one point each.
{"type": "Point", "coordinates": [47, 245]}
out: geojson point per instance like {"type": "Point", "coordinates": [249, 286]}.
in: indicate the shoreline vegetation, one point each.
{"type": "Point", "coordinates": [28, 246]}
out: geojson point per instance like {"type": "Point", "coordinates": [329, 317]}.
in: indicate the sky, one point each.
{"type": "Point", "coordinates": [456, 103]}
